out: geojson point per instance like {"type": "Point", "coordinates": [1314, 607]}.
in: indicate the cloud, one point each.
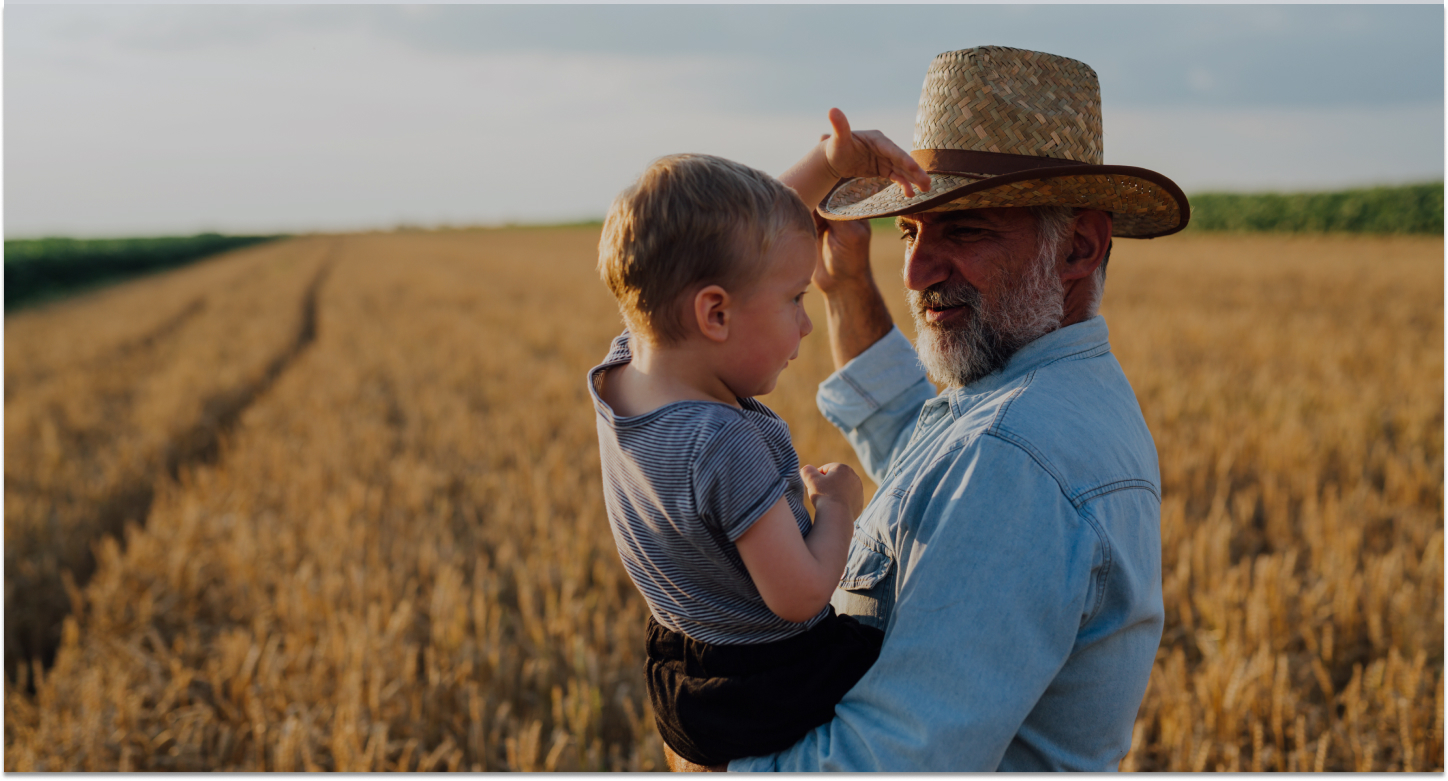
{"type": "Point", "coordinates": [140, 119]}
{"type": "Point", "coordinates": [338, 130]}
{"type": "Point", "coordinates": [1146, 55]}
{"type": "Point", "coordinates": [1280, 149]}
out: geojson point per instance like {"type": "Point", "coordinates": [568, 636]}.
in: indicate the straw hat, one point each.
{"type": "Point", "coordinates": [1010, 127]}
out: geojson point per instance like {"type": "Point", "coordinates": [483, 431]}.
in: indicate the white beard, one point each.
{"type": "Point", "coordinates": [984, 340]}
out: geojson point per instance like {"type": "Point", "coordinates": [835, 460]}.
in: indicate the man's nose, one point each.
{"type": "Point", "coordinates": [924, 267]}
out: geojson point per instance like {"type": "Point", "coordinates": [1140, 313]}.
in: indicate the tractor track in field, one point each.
{"type": "Point", "coordinates": [168, 327]}
{"type": "Point", "coordinates": [37, 633]}
{"type": "Point", "coordinates": [131, 349]}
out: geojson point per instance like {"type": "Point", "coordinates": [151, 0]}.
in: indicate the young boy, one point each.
{"type": "Point", "coordinates": [710, 261]}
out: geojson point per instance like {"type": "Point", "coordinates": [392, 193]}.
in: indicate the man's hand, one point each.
{"type": "Point", "coordinates": [856, 313]}
{"type": "Point", "coordinates": [870, 153]}
{"type": "Point", "coordinates": [844, 254]}
{"type": "Point", "coordinates": [844, 153]}
{"type": "Point", "coordinates": [834, 483]}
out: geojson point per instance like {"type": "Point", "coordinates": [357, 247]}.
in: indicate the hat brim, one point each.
{"type": "Point", "coordinates": [1144, 204]}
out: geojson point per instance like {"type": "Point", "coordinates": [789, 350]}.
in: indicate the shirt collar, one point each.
{"type": "Point", "coordinates": [1085, 339]}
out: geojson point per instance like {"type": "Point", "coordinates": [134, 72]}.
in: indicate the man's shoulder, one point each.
{"type": "Point", "coordinates": [1078, 418]}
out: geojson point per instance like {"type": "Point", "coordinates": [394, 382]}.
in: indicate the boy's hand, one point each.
{"type": "Point", "coordinates": [870, 153]}
{"type": "Point", "coordinates": [834, 482]}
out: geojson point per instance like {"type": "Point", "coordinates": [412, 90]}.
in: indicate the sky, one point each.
{"type": "Point", "coordinates": [130, 120]}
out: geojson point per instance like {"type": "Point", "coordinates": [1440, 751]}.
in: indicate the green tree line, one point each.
{"type": "Point", "coordinates": [41, 269]}
{"type": "Point", "coordinates": [1414, 208]}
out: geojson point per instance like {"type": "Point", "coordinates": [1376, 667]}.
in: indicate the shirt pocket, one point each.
{"type": "Point", "coordinates": [867, 589]}
{"type": "Point", "coordinates": [867, 565]}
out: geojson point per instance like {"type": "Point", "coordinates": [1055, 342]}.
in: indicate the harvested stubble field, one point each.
{"type": "Point", "coordinates": [369, 533]}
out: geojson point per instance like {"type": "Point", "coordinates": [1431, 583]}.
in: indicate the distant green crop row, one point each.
{"type": "Point", "coordinates": [1416, 208]}
{"type": "Point", "coordinates": [41, 269]}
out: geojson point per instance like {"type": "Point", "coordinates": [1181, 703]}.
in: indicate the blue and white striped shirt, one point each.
{"type": "Point", "coordinates": [682, 483]}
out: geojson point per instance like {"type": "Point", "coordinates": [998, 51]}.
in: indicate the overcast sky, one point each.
{"type": "Point", "coordinates": [166, 119]}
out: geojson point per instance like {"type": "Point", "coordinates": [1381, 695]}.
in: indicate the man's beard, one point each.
{"type": "Point", "coordinates": [984, 339]}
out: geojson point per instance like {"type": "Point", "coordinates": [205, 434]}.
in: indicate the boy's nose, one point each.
{"type": "Point", "coordinates": [807, 327]}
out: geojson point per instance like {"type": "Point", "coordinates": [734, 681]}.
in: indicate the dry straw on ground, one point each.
{"type": "Point", "coordinates": [105, 393]}
{"type": "Point", "coordinates": [397, 557]}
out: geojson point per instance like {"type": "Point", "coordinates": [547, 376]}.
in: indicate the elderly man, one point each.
{"type": "Point", "coordinates": [1012, 552]}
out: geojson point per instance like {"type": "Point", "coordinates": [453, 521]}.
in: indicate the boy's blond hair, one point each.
{"type": "Point", "coordinates": [688, 222]}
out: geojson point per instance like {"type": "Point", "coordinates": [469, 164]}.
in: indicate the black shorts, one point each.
{"type": "Point", "coordinates": [714, 703]}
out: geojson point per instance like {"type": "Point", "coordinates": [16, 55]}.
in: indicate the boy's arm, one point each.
{"type": "Point", "coordinates": [797, 575]}
{"type": "Point", "coordinates": [844, 153]}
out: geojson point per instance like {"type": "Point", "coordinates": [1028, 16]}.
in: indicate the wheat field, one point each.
{"type": "Point", "coordinates": [334, 503]}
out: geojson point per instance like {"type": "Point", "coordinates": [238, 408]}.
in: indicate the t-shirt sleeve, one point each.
{"type": "Point", "coordinates": [618, 349]}
{"type": "Point", "coordinates": [735, 478]}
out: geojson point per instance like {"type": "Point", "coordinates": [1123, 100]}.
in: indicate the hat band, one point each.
{"type": "Point", "coordinates": [963, 161]}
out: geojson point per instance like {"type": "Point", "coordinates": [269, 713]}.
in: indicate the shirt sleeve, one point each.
{"type": "Point", "coordinates": [992, 595]}
{"type": "Point", "coordinates": [735, 478]}
{"type": "Point", "coordinates": [875, 400]}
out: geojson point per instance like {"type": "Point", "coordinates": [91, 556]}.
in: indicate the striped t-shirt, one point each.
{"type": "Point", "coordinates": [682, 483]}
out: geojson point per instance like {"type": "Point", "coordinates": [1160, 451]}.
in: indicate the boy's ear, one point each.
{"type": "Point", "coordinates": [711, 312]}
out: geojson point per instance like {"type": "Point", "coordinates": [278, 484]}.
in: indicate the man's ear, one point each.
{"type": "Point", "coordinates": [1090, 241]}
{"type": "Point", "coordinates": [712, 313]}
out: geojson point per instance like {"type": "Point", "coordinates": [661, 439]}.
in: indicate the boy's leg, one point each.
{"type": "Point", "coordinates": [710, 705]}
{"type": "Point", "coordinates": [678, 764]}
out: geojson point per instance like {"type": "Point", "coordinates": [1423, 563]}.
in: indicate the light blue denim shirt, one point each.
{"type": "Point", "coordinates": [1012, 555]}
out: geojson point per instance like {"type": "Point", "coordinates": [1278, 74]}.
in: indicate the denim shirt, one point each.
{"type": "Point", "coordinates": [1012, 555]}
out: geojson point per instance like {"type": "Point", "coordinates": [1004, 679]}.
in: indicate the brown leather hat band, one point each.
{"type": "Point", "coordinates": [961, 161]}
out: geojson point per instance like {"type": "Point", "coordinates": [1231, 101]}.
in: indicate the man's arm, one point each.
{"type": "Point", "coordinates": [874, 396]}
{"type": "Point", "coordinates": [993, 592]}
{"type": "Point", "coordinates": [854, 309]}
{"type": "Point", "coordinates": [875, 401]}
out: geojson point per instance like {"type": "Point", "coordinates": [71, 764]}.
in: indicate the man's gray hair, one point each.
{"type": "Point", "coordinates": [1053, 229]}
